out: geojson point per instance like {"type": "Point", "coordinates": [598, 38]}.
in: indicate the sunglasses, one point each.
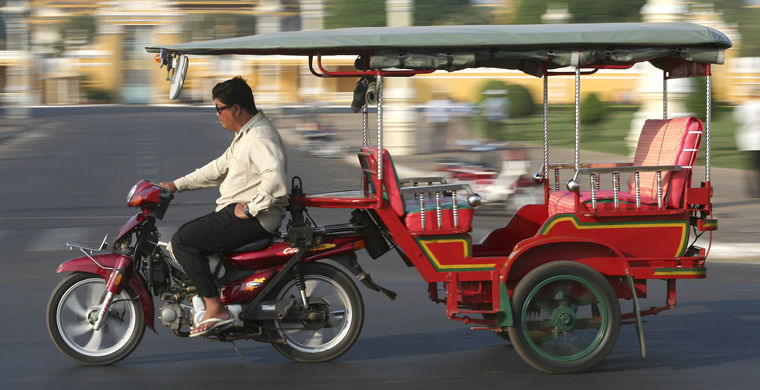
{"type": "Point", "coordinates": [222, 108]}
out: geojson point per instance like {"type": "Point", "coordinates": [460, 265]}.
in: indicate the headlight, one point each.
{"type": "Point", "coordinates": [131, 192]}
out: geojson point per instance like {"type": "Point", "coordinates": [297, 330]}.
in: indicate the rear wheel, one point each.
{"type": "Point", "coordinates": [339, 312]}
{"type": "Point", "coordinates": [71, 314]}
{"type": "Point", "coordinates": [567, 317]}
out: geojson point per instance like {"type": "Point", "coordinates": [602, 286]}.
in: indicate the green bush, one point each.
{"type": "Point", "coordinates": [520, 101]}
{"type": "Point", "coordinates": [491, 121]}
{"type": "Point", "coordinates": [98, 95]}
{"type": "Point", "coordinates": [592, 109]}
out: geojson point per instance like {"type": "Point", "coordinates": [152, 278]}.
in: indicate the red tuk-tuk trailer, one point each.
{"type": "Point", "coordinates": [551, 278]}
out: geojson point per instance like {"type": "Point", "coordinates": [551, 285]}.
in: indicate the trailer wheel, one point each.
{"type": "Point", "coordinates": [567, 317]}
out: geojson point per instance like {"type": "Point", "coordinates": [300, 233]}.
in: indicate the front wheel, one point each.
{"type": "Point", "coordinates": [567, 317]}
{"type": "Point", "coordinates": [71, 314]}
{"type": "Point", "coordinates": [338, 303]}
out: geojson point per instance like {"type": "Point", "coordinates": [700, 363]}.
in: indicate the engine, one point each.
{"type": "Point", "coordinates": [176, 316]}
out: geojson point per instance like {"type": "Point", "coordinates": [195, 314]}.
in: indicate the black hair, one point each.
{"type": "Point", "coordinates": [235, 91]}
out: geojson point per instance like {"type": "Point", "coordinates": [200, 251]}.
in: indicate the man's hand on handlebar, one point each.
{"type": "Point", "coordinates": [170, 185]}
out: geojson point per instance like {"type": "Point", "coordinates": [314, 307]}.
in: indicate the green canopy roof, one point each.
{"type": "Point", "coordinates": [525, 47]}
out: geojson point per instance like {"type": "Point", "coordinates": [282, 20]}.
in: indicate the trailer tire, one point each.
{"type": "Point", "coordinates": [567, 317]}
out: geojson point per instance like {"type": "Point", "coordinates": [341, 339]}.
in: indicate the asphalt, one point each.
{"type": "Point", "coordinates": [738, 227]}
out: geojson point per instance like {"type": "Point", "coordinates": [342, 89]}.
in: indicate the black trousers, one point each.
{"type": "Point", "coordinates": [219, 231]}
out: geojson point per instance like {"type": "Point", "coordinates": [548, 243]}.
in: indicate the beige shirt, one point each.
{"type": "Point", "coordinates": [252, 170]}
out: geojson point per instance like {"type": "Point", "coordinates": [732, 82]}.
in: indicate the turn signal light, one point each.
{"type": "Point", "coordinates": [135, 201]}
{"type": "Point", "coordinates": [358, 245]}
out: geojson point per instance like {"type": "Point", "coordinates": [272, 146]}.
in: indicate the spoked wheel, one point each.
{"type": "Point", "coordinates": [338, 315]}
{"type": "Point", "coordinates": [71, 315]}
{"type": "Point", "coordinates": [567, 317]}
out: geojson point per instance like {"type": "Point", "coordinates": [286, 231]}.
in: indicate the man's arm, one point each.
{"type": "Point", "coordinates": [210, 175]}
{"type": "Point", "coordinates": [270, 160]}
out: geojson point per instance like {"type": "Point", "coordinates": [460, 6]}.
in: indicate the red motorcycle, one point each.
{"type": "Point", "coordinates": [276, 290]}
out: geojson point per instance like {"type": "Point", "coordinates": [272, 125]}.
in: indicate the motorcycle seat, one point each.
{"type": "Point", "coordinates": [257, 245]}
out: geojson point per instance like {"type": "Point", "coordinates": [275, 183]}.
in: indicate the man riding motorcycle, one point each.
{"type": "Point", "coordinates": [251, 175]}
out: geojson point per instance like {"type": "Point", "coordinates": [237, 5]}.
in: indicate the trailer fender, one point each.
{"type": "Point", "coordinates": [606, 260]}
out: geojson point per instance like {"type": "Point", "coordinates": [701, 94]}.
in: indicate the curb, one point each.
{"type": "Point", "coordinates": [734, 252]}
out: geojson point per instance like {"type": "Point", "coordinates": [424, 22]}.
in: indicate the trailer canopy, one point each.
{"type": "Point", "coordinates": [530, 48]}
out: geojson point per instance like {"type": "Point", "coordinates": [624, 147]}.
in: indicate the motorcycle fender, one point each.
{"type": "Point", "coordinates": [134, 280]}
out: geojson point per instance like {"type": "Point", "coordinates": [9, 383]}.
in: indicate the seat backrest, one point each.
{"type": "Point", "coordinates": [390, 182]}
{"type": "Point", "coordinates": [667, 142]}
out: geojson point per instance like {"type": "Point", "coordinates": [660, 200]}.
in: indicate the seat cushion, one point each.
{"type": "Point", "coordinates": [667, 142]}
{"type": "Point", "coordinates": [390, 182]}
{"type": "Point", "coordinates": [413, 217]}
{"type": "Point", "coordinates": [561, 202]}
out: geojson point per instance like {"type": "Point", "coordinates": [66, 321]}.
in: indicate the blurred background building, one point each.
{"type": "Point", "coordinates": [89, 51]}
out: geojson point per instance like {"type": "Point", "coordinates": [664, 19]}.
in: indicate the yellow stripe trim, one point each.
{"type": "Point", "coordinates": [592, 226]}
{"type": "Point", "coordinates": [677, 273]}
{"type": "Point", "coordinates": [431, 256]}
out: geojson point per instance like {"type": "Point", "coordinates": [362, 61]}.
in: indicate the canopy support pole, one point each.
{"type": "Point", "coordinates": [379, 127]}
{"type": "Point", "coordinates": [365, 125]}
{"type": "Point", "coordinates": [665, 94]}
{"type": "Point", "coordinates": [546, 127]}
{"type": "Point", "coordinates": [577, 119]}
{"type": "Point", "coordinates": [708, 120]}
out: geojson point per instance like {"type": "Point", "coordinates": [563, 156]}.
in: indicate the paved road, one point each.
{"type": "Point", "coordinates": [68, 181]}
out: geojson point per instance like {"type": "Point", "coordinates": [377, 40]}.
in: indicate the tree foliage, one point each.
{"type": "Point", "coordinates": [737, 12]}
{"type": "Point", "coordinates": [355, 13]}
{"type": "Point", "coordinates": [582, 11]}
{"type": "Point", "coordinates": [217, 26]}
{"type": "Point", "coordinates": [2, 32]}
{"type": "Point", "coordinates": [443, 12]}
{"type": "Point", "coordinates": [372, 13]}
{"type": "Point", "coordinates": [79, 30]}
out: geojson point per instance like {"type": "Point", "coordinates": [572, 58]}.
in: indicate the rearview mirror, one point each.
{"type": "Point", "coordinates": [178, 78]}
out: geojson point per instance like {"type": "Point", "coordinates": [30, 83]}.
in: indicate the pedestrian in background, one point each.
{"type": "Point", "coordinates": [747, 115]}
{"type": "Point", "coordinates": [437, 117]}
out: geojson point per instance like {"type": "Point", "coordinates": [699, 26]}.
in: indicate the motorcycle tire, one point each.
{"type": "Point", "coordinates": [71, 313]}
{"type": "Point", "coordinates": [322, 340]}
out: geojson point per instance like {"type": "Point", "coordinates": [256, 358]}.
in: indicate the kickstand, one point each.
{"type": "Point", "coordinates": [637, 311]}
{"type": "Point", "coordinates": [237, 351]}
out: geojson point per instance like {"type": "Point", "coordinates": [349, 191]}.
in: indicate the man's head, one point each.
{"type": "Point", "coordinates": [234, 103]}
{"type": "Point", "coordinates": [235, 91]}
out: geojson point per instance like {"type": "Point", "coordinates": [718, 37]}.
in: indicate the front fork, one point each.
{"type": "Point", "coordinates": [113, 268]}
{"type": "Point", "coordinates": [103, 310]}
{"type": "Point", "coordinates": [113, 287]}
